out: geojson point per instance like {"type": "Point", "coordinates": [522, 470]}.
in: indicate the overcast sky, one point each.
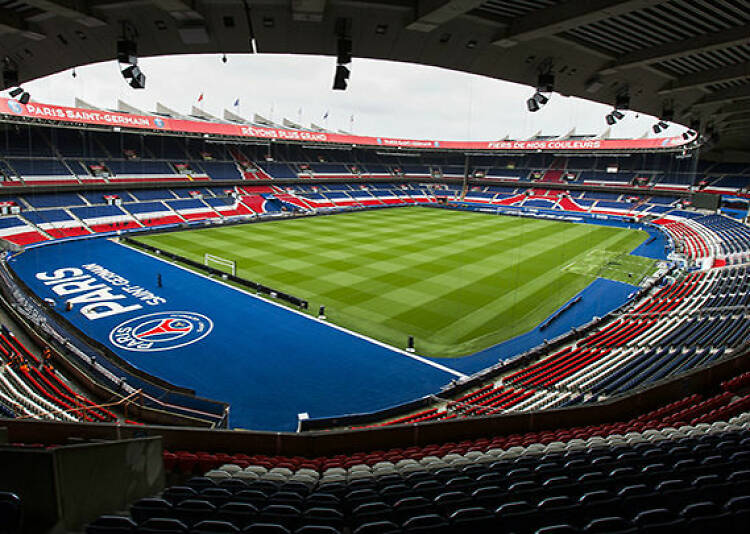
{"type": "Point", "coordinates": [385, 98]}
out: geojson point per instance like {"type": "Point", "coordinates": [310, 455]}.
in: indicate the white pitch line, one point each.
{"type": "Point", "coordinates": [416, 357]}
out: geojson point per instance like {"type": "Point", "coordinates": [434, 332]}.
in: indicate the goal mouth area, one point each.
{"type": "Point", "coordinates": [218, 260]}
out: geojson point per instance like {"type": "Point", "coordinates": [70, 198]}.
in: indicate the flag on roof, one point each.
{"type": "Point", "coordinates": [200, 97]}
{"type": "Point", "coordinates": [237, 103]}
{"type": "Point", "coordinates": [325, 115]}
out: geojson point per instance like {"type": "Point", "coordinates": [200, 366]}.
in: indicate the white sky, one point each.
{"type": "Point", "coordinates": [386, 98]}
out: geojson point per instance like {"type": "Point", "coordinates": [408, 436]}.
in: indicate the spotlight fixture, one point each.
{"type": "Point", "coordinates": [343, 53]}
{"type": "Point", "coordinates": [660, 127]}
{"type": "Point", "coordinates": [127, 56]}
{"type": "Point", "coordinates": [137, 79]}
{"type": "Point", "coordinates": [25, 97]}
{"type": "Point", "coordinates": [15, 92]}
{"type": "Point", "coordinates": [340, 80]}
{"type": "Point", "coordinates": [536, 102]}
{"type": "Point", "coordinates": [614, 116]}
{"type": "Point", "coordinates": [224, 58]}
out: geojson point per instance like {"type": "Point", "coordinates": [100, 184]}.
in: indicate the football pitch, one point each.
{"type": "Point", "coordinates": [457, 281]}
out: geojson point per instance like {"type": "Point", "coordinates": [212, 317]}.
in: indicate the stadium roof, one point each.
{"type": "Point", "coordinates": [689, 57]}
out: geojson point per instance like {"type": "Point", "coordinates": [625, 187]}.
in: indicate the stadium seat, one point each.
{"type": "Point", "coordinates": [159, 525]}
{"type": "Point", "coordinates": [111, 524]}
{"type": "Point", "coordinates": [610, 525]}
{"type": "Point", "coordinates": [11, 513]}
{"type": "Point", "coordinates": [192, 511]}
{"type": "Point", "coordinates": [474, 519]}
{"type": "Point", "coordinates": [266, 528]}
{"type": "Point", "coordinates": [148, 507]}
{"type": "Point", "coordinates": [378, 527]}
{"type": "Point", "coordinates": [427, 523]}
{"type": "Point", "coordinates": [214, 527]}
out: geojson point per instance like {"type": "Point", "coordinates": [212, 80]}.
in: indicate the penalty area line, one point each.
{"type": "Point", "coordinates": [421, 359]}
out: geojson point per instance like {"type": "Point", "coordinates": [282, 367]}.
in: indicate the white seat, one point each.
{"type": "Point", "coordinates": [216, 474]}
{"type": "Point", "coordinates": [256, 469]}
{"type": "Point", "coordinates": [284, 471]}
{"type": "Point", "coordinates": [230, 468]}
{"type": "Point", "coordinates": [246, 475]}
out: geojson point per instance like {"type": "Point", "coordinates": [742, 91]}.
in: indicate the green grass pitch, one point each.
{"type": "Point", "coordinates": [457, 281]}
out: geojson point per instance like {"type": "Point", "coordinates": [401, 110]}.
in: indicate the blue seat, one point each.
{"type": "Point", "coordinates": [162, 525]}
{"type": "Point", "coordinates": [378, 527]}
{"type": "Point", "coordinates": [11, 513]}
{"type": "Point", "coordinates": [658, 520]}
{"type": "Point", "coordinates": [557, 529]}
{"type": "Point", "coordinates": [610, 525]}
{"type": "Point", "coordinates": [321, 516]}
{"type": "Point", "coordinates": [110, 524]}
{"type": "Point", "coordinates": [177, 494]}
{"type": "Point", "coordinates": [428, 523]}
{"type": "Point", "coordinates": [192, 511]}
{"type": "Point", "coordinates": [317, 529]}
{"type": "Point", "coordinates": [473, 520]}
{"type": "Point", "coordinates": [237, 513]}
{"type": "Point", "coordinates": [266, 528]}
{"type": "Point", "coordinates": [214, 527]}
{"type": "Point", "coordinates": [148, 507]}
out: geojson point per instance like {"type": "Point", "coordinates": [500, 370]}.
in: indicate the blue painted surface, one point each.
{"type": "Point", "coordinates": [268, 362]}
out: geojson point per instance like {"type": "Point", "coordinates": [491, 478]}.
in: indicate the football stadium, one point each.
{"type": "Point", "coordinates": [223, 324]}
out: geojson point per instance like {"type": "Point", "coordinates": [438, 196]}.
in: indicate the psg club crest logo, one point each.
{"type": "Point", "coordinates": [15, 107]}
{"type": "Point", "coordinates": [161, 331]}
{"type": "Point", "coordinates": [159, 123]}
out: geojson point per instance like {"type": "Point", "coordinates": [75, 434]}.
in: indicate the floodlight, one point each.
{"type": "Point", "coordinates": [340, 80]}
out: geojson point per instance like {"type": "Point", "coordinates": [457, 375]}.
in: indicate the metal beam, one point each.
{"type": "Point", "coordinates": [566, 16]}
{"type": "Point", "coordinates": [79, 11]}
{"type": "Point", "coordinates": [707, 77]}
{"type": "Point", "coordinates": [12, 22]}
{"type": "Point", "coordinates": [701, 43]}
{"type": "Point", "coordinates": [735, 122]}
{"type": "Point", "coordinates": [729, 94]}
{"type": "Point", "coordinates": [433, 13]}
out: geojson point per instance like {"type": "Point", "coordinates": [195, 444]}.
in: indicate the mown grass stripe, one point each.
{"type": "Point", "coordinates": [458, 281]}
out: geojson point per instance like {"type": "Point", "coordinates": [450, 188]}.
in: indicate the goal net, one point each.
{"type": "Point", "coordinates": [208, 259]}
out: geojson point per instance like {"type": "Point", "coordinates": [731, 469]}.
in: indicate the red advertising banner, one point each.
{"type": "Point", "coordinates": [148, 122]}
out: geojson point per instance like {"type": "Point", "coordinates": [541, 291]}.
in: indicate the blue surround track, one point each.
{"type": "Point", "coordinates": [269, 362]}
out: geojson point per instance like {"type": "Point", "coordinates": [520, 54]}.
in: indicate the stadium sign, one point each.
{"type": "Point", "coordinates": [160, 331]}
{"type": "Point", "coordinates": [50, 112]}
{"type": "Point", "coordinates": [100, 292]}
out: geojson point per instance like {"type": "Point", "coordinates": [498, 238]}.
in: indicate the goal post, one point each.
{"type": "Point", "coordinates": [224, 262]}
